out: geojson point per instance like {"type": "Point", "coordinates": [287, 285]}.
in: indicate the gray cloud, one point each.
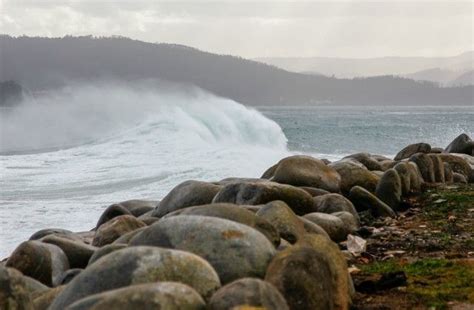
{"type": "Point", "coordinates": [259, 28]}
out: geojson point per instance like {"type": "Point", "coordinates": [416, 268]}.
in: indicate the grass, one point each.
{"type": "Point", "coordinates": [432, 282]}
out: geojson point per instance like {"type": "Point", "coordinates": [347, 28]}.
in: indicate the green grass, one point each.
{"type": "Point", "coordinates": [432, 282]}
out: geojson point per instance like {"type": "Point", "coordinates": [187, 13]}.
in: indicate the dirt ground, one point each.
{"type": "Point", "coordinates": [424, 259]}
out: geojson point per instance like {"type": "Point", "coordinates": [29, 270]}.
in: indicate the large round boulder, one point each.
{"type": "Point", "coordinates": [367, 160]}
{"type": "Point", "coordinates": [233, 249]}
{"type": "Point", "coordinates": [412, 149]}
{"type": "Point", "coordinates": [187, 194]}
{"type": "Point", "coordinates": [438, 168]}
{"type": "Point", "coordinates": [341, 280]}
{"type": "Point", "coordinates": [404, 173]}
{"type": "Point", "coordinates": [458, 164]}
{"type": "Point", "coordinates": [416, 179]}
{"type": "Point", "coordinates": [289, 226]}
{"type": "Point", "coordinates": [139, 265]}
{"type": "Point", "coordinates": [43, 301]}
{"type": "Point", "coordinates": [333, 225]}
{"type": "Point", "coordinates": [54, 231]}
{"type": "Point", "coordinates": [425, 164]}
{"type": "Point", "coordinates": [161, 295]}
{"type": "Point", "coordinates": [303, 276]}
{"type": "Point", "coordinates": [248, 292]}
{"type": "Point", "coordinates": [364, 200]}
{"type": "Point", "coordinates": [301, 170]}
{"type": "Point", "coordinates": [351, 223]}
{"type": "Point", "coordinates": [389, 188]}
{"type": "Point", "coordinates": [138, 207]}
{"type": "Point", "coordinates": [234, 213]}
{"type": "Point", "coordinates": [14, 293]}
{"type": "Point", "coordinates": [111, 212]}
{"type": "Point", "coordinates": [263, 192]}
{"type": "Point", "coordinates": [462, 144]}
{"type": "Point", "coordinates": [78, 253]}
{"type": "Point", "coordinates": [106, 249]}
{"type": "Point", "coordinates": [353, 174]}
{"type": "Point", "coordinates": [331, 203]}
{"type": "Point", "coordinates": [41, 261]}
{"type": "Point", "coordinates": [116, 227]}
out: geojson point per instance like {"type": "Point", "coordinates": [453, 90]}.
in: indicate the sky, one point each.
{"type": "Point", "coordinates": [259, 28]}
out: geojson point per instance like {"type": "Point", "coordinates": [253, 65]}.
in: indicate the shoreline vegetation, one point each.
{"type": "Point", "coordinates": [364, 232]}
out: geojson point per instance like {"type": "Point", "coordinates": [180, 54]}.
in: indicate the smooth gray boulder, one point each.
{"type": "Point", "coordinates": [331, 203]}
{"type": "Point", "coordinates": [333, 225]}
{"type": "Point", "coordinates": [461, 144]}
{"type": "Point", "coordinates": [261, 193]}
{"type": "Point", "coordinates": [250, 292]}
{"type": "Point", "coordinates": [404, 173]}
{"type": "Point", "coordinates": [286, 222]}
{"type": "Point", "coordinates": [389, 189]}
{"type": "Point", "coordinates": [351, 222]}
{"type": "Point", "coordinates": [425, 165]}
{"type": "Point", "coordinates": [111, 212]}
{"type": "Point", "coordinates": [139, 265]}
{"type": "Point", "coordinates": [161, 295]}
{"type": "Point", "coordinates": [438, 168]}
{"type": "Point", "coordinates": [187, 194]}
{"type": "Point", "coordinates": [412, 149]}
{"type": "Point", "coordinates": [41, 261]}
{"type": "Point", "coordinates": [233, 249]}
{"type": "Point", "coordinates": [78, 253]}
{"type": "Point", "coordinates": [364, 200]}
{"type": "Point", "coordinates": [106, 249]}
{"type": "Point", "coordinates": [234, 213]}
{"type": "Point", "coordinates": [367, 160]}
{"type": "Point", "coordinates": [115, 228]}
{"type": "Point", "coordinates": [353, 174]}
{"type": "Point", "coordinates": [301, 170]}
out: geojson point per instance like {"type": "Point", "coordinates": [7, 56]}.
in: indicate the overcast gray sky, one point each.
{"type": "Point", "coordinates": [261, 27]}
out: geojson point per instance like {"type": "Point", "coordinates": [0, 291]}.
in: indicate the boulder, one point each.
{"type": "Point", "coordinates": [301, 170]}
{"type": "Point", "coordinates": [44, 300]}
{"type": "Point", "coordinates": [364, 200]}
{"type": "Point", "coordinates": [412, 149]}
{"type": "Point", "coordinates": [161, 295]}
{"type": "Point", "coordinates": [261, 193]}
{"type": "Point", "coordinates": [106, 249]}
{"type": "Point", "coordinates": [425, 165]}
{"type": "Point", "coordinates": [78, 253]}
{"type": "Point", "coordinates": [54, 231]}
{"type": "Point", "coordinates": [287, 223]}
{"type": "Point", "coordinates": [448, 173]}
{"type": "Point", "coordinates": [140, 265]}
{"type": "Point", "coordinates": [331, 203]}
{"type": "Point", "coordinates": [436, 150]}
{"type": "Point", "coordinates": [303, 276]}
{"type": "Point", "coordinates": [187, 194]}
{"type": "Point", "coordinates": [13, 291]}
{"type": "Point", "coordinates": [233, 249]}
{"type": "Point", "coordinates": [389, 189]}
{"type": "Point", "coordinates": [416, 179]}
{"type": "Point", "coordinates": [457, 163]}
{"type": "Point", "coordinates": [387, 164]}
{"type": "Point", "coordinates": [351, 222]}
{"type": "Point", "coordinates": [139, 207]}
{"type": "Point", "coordinates": [313, 228]}
{"type": "Point", "coordinates": [111, 212]}
{"type": "Point", "coordinates": [438, 167]}
{"type": "Point", "coordinates": [239, 180]}
{"type": "Point", "coordinates": [234, 213]}
{"type": "Point", "coordinates": [341, 280]}
{"type": "Point", "coordinates": [249, 292]}
{"type": "Point", "coordinates": [459, 178]}
{"type": "Point", "coordinates": [116, 227]}
{"type": "Point", "coordinates": [125, 239]}
{"type": "Point", "coordinates": [462, 144]}
{"type": "Point", "coordinates": [68, 275]}
{"type": "Point", "coordinates": [333, 225]}
{"type": "Point", "coordinates": [313, 191]}
{"type": "Point", "coordinates": [353, 174]}
{"type": "Point", "coordinates": [366, 160]}
{"type": "Point", "coordinates": [41, 261]}
{"type": "Point", "coordinates": [404, 173]}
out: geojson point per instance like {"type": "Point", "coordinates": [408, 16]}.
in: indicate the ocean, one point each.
{"type": "Point", "coordinates": [65, 156]}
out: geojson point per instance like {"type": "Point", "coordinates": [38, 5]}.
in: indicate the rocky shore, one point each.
{"type": "Point", "coordinates": [308, 234]}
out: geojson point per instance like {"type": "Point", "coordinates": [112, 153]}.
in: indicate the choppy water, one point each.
{"type": "Point", "coordinates": [68, 155]}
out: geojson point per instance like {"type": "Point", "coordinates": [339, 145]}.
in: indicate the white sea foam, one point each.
{"type": "Point", "coordinates": [83, 148]}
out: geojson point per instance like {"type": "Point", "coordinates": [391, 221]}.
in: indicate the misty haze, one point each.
{"type": "Point", "coordinates": [236, 155]}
